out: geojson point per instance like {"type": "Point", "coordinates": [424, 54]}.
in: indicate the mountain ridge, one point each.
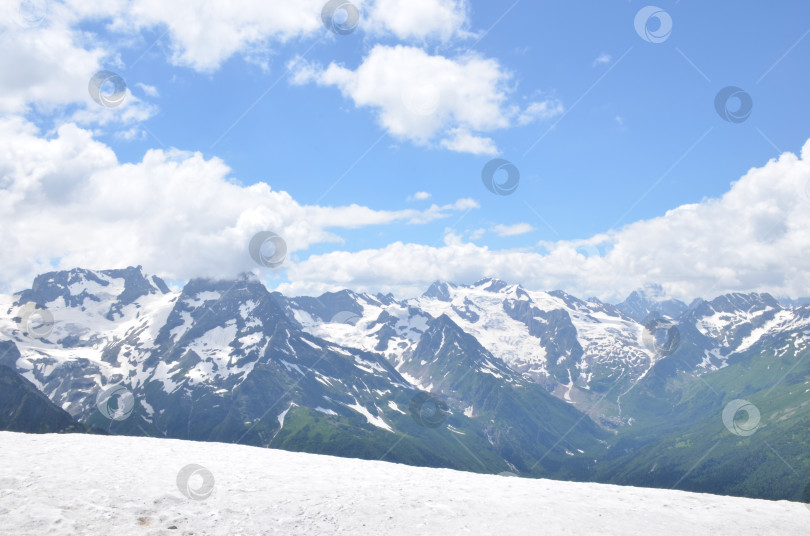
{"type": "Point", "coordinates": [486, 377]}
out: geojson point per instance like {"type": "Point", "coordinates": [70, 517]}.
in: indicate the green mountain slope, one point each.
{"type": "Point", "coordinates": [680, 438]}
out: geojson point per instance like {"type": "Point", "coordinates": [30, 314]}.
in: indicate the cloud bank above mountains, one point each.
{"type": "Point", "coordinates": [67, 202]}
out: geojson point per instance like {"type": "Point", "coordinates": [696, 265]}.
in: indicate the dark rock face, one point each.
{"type": "Point", "coordinates": [23, 408]}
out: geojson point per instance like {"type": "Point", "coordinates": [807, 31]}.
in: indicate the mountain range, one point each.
{"type": "Point", "coordinates": [486, 377]}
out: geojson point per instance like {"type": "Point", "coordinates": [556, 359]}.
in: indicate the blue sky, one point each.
{"type": "Point", "coordinates": [630, 132]}
{"type": "Point", "coordinates": [636, 123]}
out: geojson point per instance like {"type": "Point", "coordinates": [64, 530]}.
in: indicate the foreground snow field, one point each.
{"type": "Point", "coordinates": [81, 484]}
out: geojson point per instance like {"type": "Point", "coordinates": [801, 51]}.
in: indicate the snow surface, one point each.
{"type": "Point", "coordinates": [82, 484]}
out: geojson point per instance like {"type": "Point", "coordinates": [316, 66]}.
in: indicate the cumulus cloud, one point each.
{"type": "Point", "coordinates": [204, 34]}
{"type": "Point", "coordinates": [47, 68]}
{"type": "Point", "coordinates": [50, 62]}
{"type": "Point", "coordinates": [753, 238]}
{"type": "Point", "coordinates": [427, 99]}
{"type": "Point", "coordinates": [66, 201]}
{"type": "Point", "coordinates": [420, 19]}
{"type": "Point", "coordinates": [422, 97]}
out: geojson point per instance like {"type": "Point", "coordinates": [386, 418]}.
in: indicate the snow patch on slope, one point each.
{"type": "Point", "coordinates": [128, 486]}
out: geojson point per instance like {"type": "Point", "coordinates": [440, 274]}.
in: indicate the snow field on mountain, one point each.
{"type": "Point", "coordinates": [143, 318]}
{"type": "Point", "coordinates": [507, 338]}
{"type": "Point", "coordinates": [79, 484]}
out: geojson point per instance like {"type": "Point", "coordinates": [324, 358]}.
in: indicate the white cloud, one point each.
{"type": "Point", "coordinates": [513, 230]}
{"type": "Point", "coordinates": [461, 141]}
{"type": "Point", "coordinates": [419, 196]}
{"type": "Point", "coordinates": [132, 133]}
{"type": "Point", "coordinates": [67, 200]}
{"type": "Point", "coordinates": [754, 238]}
{"type": "Point", "coordinates": [541, 111]}
{"type": "Point", "coordinates": [132, 110]}
{"type": "Point", "coordinates": [419, 19]}
{"type": "Point", "coordinates": [423, 98]}
{"type": "Point", "coordinates": [602, 59]}
{"type": "Point", "coordinates": [477, 234]}
{"type": "Point", "coordinates": [48, 68]}
{"type": "Point", "coordinates": [204, 34]}
{"type": "Point", "coordinates": [149, 91]}
{"type": "Point", "coordinates": [436, 212]}
{"type": "Point", "coordinates": [45, 66]}
{"type": "Point", "coordinates": [419, 97]}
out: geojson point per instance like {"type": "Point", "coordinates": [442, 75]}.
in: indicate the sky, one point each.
{"type": "Point", "coordinates": [361, 134]}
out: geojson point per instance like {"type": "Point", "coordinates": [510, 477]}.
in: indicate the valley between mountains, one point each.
{"type": "Point", "coordinates": [488, 377]}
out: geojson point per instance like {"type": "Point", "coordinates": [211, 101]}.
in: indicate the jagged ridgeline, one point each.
{"type": "Point", "coordinates": [487, 377]}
